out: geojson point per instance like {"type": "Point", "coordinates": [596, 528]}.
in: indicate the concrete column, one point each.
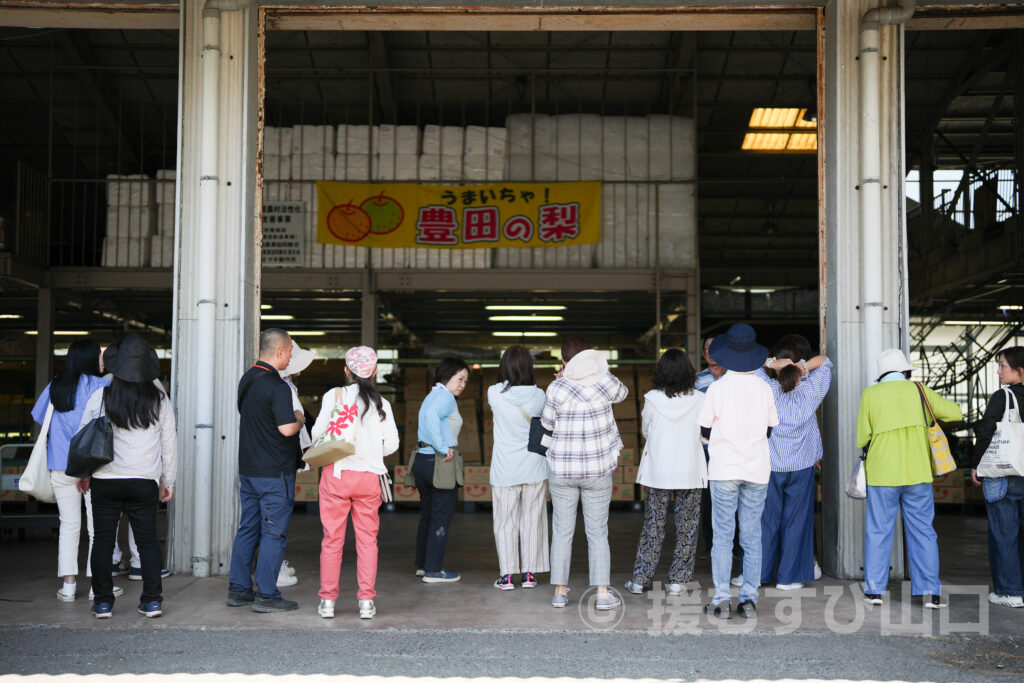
{"type": "Point", "coordinates": [842, 517]}
{"type": "Point", "coordinates": [44, 338]}
{"type": "Point", "coordinates": [235, 243]}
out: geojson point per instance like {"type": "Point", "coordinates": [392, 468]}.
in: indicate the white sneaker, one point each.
{"type": "Point", "coordinates": [366, 609]}
{"type": "Point", "coordinates": [421, 572]}
{"type": "Point", "coordinates": [285, 579]}
{"type": "Point", "coordinates": [788, 586]}
{"type": "Point", "coordinates": [675, 589]}
{"type": "Point", "coordinates": [634, 587]}
{"type": "Point", "coordinates": [287, 568]}
{"type": "Point", "coordinates": [817, 570]}
{"type": "Point", "coordinates": [117, 591]}
{"type": "Point", "coordinates": [67, 597]}
{"type": "Point", "coordinates": [326, 609]}
{"type": "Point", "coordinates": [1004, 600]}
{"type": "Point", "coordinates": [737, 580]}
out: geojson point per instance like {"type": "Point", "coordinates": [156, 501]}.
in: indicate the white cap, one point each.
{"type": "Point", "coordinates": [892, 360]}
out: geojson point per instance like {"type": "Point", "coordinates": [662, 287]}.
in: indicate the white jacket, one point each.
{"type": "Point", "coordinates": [673, 456]}
{"type": "Point", "coordinates": [375, 438]}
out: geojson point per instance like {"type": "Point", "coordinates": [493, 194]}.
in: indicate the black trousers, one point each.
{"type": "Point", "coordinates": [437, 506]}
{"type": "Point", "coordinates": [140, 498]}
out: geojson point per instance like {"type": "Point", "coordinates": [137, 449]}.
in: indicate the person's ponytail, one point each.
{"type": "Point", "coordinates": [368, 394]}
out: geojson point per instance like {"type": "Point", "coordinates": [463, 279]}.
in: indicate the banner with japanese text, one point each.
{"type": "Point", "coordinates": [391, 215]}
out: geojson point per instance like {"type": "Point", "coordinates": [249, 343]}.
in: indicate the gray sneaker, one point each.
{"type": "Point", "coordinates": [634, 587]}
{"type": "Point", "coordinates": [559, 600]}
{"type": "Point", "coordinates": [607, 602]}
{"type": "Point", "coordinates": [241, 598]}
{"type": "Point", "coordinates": [267, 605]}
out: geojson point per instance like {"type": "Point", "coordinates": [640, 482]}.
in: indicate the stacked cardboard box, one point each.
{"type": "Point", "coordinates": [627, 415]}
{"type": "Point", "coordinates": [416, 388]}
{"type": "Point", "coordinates": [470, 444]}
{"type": "Point", "coordinates": [403, 493]}
{"type": "Point", "coordinates": [950, 488]}
{"type": "Point", "coordinates": [306, 486]}
{"type": "Point", "coordinates": [478, 484]}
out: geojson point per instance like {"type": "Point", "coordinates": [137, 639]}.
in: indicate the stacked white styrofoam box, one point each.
{"type": "Point", "coordinates": [672, 155]}
{"type": "Point", "coordinates": [361, 139]}
{"type": "Point", "coordinates": [131, 220]}
{"type": "Point", "coordinates": [447, 167]}
{"type": "Point", "coordinates": [397, 167]}
{"type": "Point", "coordinates": [162, 244]}
{"type": "Point", "coordinates": [676, 215]}
{"type": "Point", "coordinates": [277, 153]}
{"type": "Point", "coordinates": [308, 139]}
{"type": "Point", "coordinates": [316, 166]}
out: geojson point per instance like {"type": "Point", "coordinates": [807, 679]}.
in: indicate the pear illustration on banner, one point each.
{"type": "Point", "coordinates": [385, 213]}
{"type": "Point", "coordinates": [348, 222]}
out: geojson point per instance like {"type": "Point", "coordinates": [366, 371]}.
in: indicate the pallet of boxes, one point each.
{"type": "Point", "coordinates": [477, 472]}
{"type": "Point", "coordinates": [131, 221]}
{"type": "Point", "coordinates": [627, 417]}
{"type": "Point", "coordinates": [417, 384]}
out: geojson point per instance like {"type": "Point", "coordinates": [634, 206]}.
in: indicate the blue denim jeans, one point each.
{"type": "Point", "coordinates": [726, 498]}
{"type": "Point", "coordinates": [266, 512]}
{"type": "Point", "coordinates": [787, 528]}
{"type": "Point", "coordinates": [1005, 524]}
{"type": "Point", "coordinates": [918, 507]}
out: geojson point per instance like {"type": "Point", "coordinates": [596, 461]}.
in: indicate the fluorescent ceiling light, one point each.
{"type": "Point", "coordinates": [275, 316]}
{"type": "Point", "coordinates": [780, 121]}
{"type": "Point", "coordinates": [976, 322]}
{"type": "Point", "coordinates": [10, 316]}
{"type": "Point", "coordinates": [62, 333]}
{"type": "Point", "coordinates": [525, 307]}
{"type": "Point", "coordinates": [1001, 308]}
{"type": "Point", "coordinates": [524, 334]}
{"type": "Point", "coordinates": [526, 318]}
{"type": "Point", "coordinates": [265, 307]}
{"type": "Point", "coordinates": [307, 333]}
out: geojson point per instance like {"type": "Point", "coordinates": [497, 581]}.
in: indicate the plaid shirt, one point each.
{"type": "Point", "coordinates": [585, 441]}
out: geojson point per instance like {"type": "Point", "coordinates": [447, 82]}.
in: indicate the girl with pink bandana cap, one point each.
{"type": "Point", "coordinates": [352, 484]}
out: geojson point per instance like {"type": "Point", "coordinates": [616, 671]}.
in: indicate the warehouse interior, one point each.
{"type": "Point", "coordinates": [88, 104]}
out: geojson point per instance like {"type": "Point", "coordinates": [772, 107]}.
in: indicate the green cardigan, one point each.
{"type": "Point", "coordinates": [891, 419]}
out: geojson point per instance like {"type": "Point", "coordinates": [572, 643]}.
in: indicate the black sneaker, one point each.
{"type": "Point", "coordinates": [722, 610]}
{"type": "Point", "coordinates": [928, 601]}
{"type": "Point", "coordinates": [747, 609]}
{"type": "Point", "coordinates": [873, 598]}
{"type": "Point", "coordinates": [241, 598]}
{"type": "Point", "coordinates": [273, 605]}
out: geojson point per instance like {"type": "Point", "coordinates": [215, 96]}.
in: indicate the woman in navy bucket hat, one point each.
{"type": "Point", "coordinates": [736, 419]}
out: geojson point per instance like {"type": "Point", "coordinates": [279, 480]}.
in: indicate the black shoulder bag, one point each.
{"type": "Point", "coordinates": [92, 447]}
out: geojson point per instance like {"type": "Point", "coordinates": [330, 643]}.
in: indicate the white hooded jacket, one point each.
{"type": "Point", "coordinates": [673, 457]}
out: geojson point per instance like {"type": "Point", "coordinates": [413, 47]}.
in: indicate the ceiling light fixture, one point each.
{"type": "Point", "coordinates": [10, 316]}
{"type": "Point", "coordinates": [62, 333]}
{"type": "Point", "coordinates": [276, 316]}
{"type": "Point", "coordinates": [524, 334]}
{"type": "Point", "coordinates": [306, 333]}
{"type": "Point", "coordinates": [977, 322]}
{"type": "Point", "coordinates": [1007, 307]}
{"type": "Point", "coordinates": [265, 307]}
{"type": "Point", "coordinates": [524, 307]}
{"type": "Point", "coordinates": [781, 129]}
{"type": "Point", "coordinates": [527, 318]}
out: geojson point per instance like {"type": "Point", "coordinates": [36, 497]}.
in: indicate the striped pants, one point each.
{"type": "Point", "coordinates": [521, 527]}
{"type": "Point", "coordinates": [596, 496]}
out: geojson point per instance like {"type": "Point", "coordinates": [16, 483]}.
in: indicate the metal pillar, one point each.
{"type": "Point", "coordinates": [369, 311]}
{"type": "Point", "coordinates": [233, 240]}
{"type": "Point", "coordinates": [44, 338]}
{"type": "Point", "coordinates": [843, 518]}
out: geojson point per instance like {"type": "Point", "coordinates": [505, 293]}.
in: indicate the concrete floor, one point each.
{"type": "Point", "coordinates": [27, 588]}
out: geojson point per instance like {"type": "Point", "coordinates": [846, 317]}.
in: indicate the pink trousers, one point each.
{"type": "Point", "coordinates": [358, 492]}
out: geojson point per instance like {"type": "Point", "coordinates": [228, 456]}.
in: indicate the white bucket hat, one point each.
{"type": "Point", "coordinates": [892, 360]}
{"type": "Point", "coordinates": [301, 358]}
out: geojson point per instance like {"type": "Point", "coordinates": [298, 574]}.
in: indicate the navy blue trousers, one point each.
{"type": "Point", "coordinates": [787, 528]}
{"type": "Point", "coordinates": [266, 513]}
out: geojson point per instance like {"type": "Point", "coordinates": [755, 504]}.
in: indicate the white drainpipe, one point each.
{"type": "Point", "coordinates": [870, 175]}
{"type": "Point", "coordinates": [206, 292]}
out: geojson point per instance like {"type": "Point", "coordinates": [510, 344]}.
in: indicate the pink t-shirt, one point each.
{"type": "Point", "coordinates": [739, 409]}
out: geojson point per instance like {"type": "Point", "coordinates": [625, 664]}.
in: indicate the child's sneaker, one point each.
{"type": "Point", "coordinates": [505, 583]}
{"type": "Point", "coordinates": [367, 609]}
{"type": "Point", "coordinates": [529, 580]}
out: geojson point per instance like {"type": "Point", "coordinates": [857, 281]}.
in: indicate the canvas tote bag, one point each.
{"type": "Point", "coordinates": [35, 480]}
{"type": "Point", "coordinates": [1004, 456]}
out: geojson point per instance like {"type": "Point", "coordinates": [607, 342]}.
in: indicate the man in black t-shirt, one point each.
{"type": "Point", "coordinates": [268, 453]}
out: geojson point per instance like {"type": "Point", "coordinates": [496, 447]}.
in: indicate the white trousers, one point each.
{"type": "Point", "coordinates": [69, 508]}
{"type": "Point", "coordinates": [521, 527]}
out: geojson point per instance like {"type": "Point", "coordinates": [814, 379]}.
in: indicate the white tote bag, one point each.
{"type": "Point", "coordinates": [35, 480]}
{"type": "Point", "coordinates": [1004, 456]}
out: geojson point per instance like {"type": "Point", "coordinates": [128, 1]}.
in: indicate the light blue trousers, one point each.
{"type": "Point", "coordinates": [728, 497]}
{"type": "Point", "coordinates": [918, 508]}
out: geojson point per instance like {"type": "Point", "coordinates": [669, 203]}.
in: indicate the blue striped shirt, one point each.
{"type": "Point", "coordinates": [795, 443]}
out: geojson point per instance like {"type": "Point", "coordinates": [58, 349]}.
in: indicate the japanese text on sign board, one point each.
{"type": "Point", "coordinates": [284, 233]}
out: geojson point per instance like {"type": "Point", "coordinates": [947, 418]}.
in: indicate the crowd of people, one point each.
{"type": "Point", "coordinates": [734, 447]}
